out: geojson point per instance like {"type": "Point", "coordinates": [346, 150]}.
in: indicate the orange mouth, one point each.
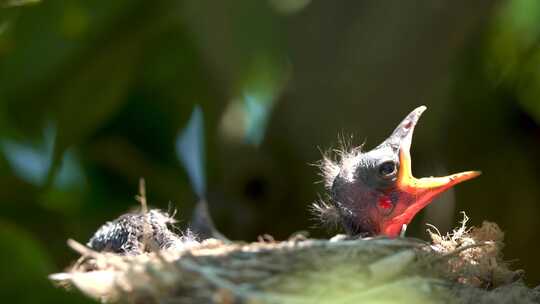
{"type": "Point", "coordinates": [415, 193]}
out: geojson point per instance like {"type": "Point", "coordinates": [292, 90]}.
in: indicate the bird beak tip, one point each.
{"type": "Point", "coordinates": [463, 176]}
{"type": "Point", "coordinates": [403, 133]}
{"type": "Point", "coordinates": [420, 109]}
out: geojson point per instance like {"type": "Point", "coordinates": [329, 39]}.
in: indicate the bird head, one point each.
{"type": "Point", "coordinates": [375, 192]}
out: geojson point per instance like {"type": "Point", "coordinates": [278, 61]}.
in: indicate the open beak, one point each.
{"type": "Point", "coordinates": [414, 193]}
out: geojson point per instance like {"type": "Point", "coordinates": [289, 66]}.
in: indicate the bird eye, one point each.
{"type": "Point", "coordinates": [387, 169]}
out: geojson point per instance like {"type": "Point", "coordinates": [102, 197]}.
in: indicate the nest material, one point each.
{"type": "Point", "coordinates": [464, 266]}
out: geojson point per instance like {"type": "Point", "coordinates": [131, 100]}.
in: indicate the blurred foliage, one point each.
{"type": "Point", "coordinates": [12, 3]}
{"type": "Point", "coordinates": [94, 95]}
{"type": "Point", "coordinates": [25, 269]}
{"type": "Point", "coordinates": [513, 55]}
{"type": "Point", "coordinates": [190, 151]}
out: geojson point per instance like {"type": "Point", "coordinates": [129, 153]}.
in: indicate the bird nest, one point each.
{"type": "Point", "coordinates": [464, 266]}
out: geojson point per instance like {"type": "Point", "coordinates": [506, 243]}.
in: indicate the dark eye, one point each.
{"type": "Point", "coordinates": [387, 169]}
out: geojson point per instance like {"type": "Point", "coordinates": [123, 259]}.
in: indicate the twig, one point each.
{"type": "Point", "coordinates": [81, 249]}
{"type": "Point", "coordinates": [147, 229]}
{"type": "Point", "coordinates": [141, 198]}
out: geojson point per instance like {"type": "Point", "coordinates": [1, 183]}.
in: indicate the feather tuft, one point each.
{"type": "Point", "coordinates": [326, 213]}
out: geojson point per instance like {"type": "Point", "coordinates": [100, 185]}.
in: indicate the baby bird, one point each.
{"type": "Point", "coordinates": [374, 192]}
{"type": "Point", "coordinates": [139, 232]}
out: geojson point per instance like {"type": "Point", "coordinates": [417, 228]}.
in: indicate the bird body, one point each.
{"type": "Point", "coordinates": [137, 232]}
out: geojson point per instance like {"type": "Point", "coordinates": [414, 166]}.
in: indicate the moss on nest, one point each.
{"type": "Point", "coordinates": [464, 266]}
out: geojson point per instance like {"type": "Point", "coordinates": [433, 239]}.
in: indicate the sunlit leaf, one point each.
{"type": "Point", "coordinates": [247, 115]}
{"type": "Point", "coordinates": [529, 87]}
{"type": "Point", "coordinates": [190, 151]}
{"type": "Point", "coordinates": [513, 55]}
{"type": "Point", "coordinates": [522, 16]}
{"type": "Point", "coordinates": [11, 3]}
{"type": "Point", "coordinates": [28, 161]}
{"type": "Point", "coordinates": [257, 109]}
{"type": "Point", "coordinates": [288, 7]}
{"type": "Point", "coordinates": [70, 173]}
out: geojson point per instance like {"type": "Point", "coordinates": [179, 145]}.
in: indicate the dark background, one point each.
{"type": "Point", "coordinates": [96, 94]}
